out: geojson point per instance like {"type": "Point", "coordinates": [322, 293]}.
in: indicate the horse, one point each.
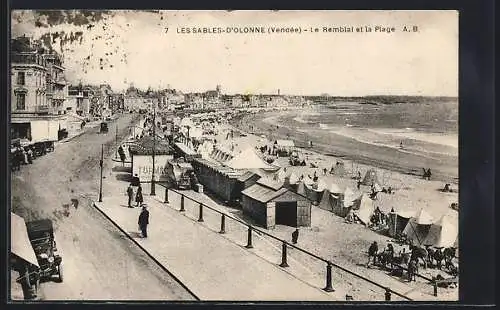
{"type": "Point", "coordinates": [401, 259]}
{"type": "Point", "coordinates": [430, 255]}
{"type": "Point", "coordinates": [439, 257]}
{"type": "Point", "coordinates": [419, 253]}
{"type": "Point", "coordinates": [449, 254]}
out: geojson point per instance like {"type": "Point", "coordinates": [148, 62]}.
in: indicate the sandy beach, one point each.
{"type": "Point", "coordinates": [346, 244]}
{"type": "Point", "coordinates": [378, 147]}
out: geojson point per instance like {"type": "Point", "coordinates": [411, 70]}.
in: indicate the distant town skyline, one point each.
{"type": "Point", "coordinates": [135, 47]}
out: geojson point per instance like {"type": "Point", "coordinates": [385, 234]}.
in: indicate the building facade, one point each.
{"type": "Point", "coordinates": [32, 116]}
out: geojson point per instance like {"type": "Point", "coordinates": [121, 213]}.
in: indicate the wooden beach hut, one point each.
{"type": "Point", "coordinates": [269, 203]}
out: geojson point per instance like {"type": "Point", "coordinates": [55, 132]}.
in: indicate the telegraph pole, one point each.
{"type": "Point", "coordinates": [154, 150]}
{"type": "Point", "coordinates": [101, 162]}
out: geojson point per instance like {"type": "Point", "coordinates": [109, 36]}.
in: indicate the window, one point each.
{"type": "Point", "coordinates": [21, 80]}
{"type": "Point", "coordinates": [21, 102]}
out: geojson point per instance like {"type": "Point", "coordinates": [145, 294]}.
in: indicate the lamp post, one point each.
{"type": "Point", "coordinates": [101, 162]}
{"type": "Point", "coordinates": [153, 192]}
{"type": "Point", "coordinates": [116, 140]}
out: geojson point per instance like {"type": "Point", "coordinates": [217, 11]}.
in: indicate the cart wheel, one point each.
{"type": "Point", "coordinates": [60, 271]}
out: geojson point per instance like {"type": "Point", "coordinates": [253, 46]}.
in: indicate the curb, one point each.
{"type": "Point", "coordinates": [147, 253]}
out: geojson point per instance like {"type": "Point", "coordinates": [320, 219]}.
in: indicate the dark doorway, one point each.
{"type": "Point", "coordinates": [286, 213]}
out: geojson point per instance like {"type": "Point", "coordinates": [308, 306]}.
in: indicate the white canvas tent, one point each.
{"type": "Point", "coordinates": [248, 159]}
{"type": "Point", "coordinates": [335, 189]}
{"type": "Point", "coordinates": [349, 197]}
{"type": "Point", "coordinates": [398, 221]}
{"type": "Point", "coordinates": [364, 208]}
{"type": "Point", "coordinates": [294, 179]}
{"type": "Point", "coordinates": [418, 227]}
{"type": "Point", "coordinates": [443, 233]}
{"type": "Point", "coordinates": [370, 177]}
{"type": "Point", "coordinates": [20, 242]}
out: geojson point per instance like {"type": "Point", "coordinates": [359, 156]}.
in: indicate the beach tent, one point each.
{"type": "Point", "coordinates": [335, 189]}
{"type": "Point", "coordinates": [364, 208]}
{"type": "Point", "coordinates": [325, 202]}
{"type": "Point", "coordinates": [313, 191]}
{"type": "Point", "coordinates": [443, 233]}
{"type": "Point", "coordinates": [301, 188]}
{"type": "Point", "coordinates": [370, 177]}
{"type": "Point", "coordinates": [293, 179]}
{"type": "Point", "coordinates": [398, 221]}
{"type": "Point", "coordinates": [348, 197]}
{"type": "Point", "coordinates": [248, 159]}
{"type": "Point", "coordinates": [339, 169]}
{"type": "Point", "coordinates": [321, 186]}
{"type": "Point", "coordinates": [20, 242]}
{"type": "Point", "coordinates": [418, 227]}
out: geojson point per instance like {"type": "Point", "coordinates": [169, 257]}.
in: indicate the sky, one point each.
{"type": "Point", "coordinates": [134, 47]}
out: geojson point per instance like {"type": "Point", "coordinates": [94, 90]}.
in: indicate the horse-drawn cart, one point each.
{"type": "Point", "coordinates": [41, 235]}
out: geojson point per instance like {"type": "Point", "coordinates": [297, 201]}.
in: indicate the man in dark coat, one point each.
{"type": "Point", "coordinates": [372, 252]}
{"type": "Point", "coordinates": [295, 236]}
{"type": "Point", "coordinates": [130, 194]}
{"type": "Point", "coordinates": [144, 221]}
{"type": "Point", "coordinates": [138, 196]}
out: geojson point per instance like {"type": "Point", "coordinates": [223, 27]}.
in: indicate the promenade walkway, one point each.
{"type": "Point", "coordinates": [212, 267]}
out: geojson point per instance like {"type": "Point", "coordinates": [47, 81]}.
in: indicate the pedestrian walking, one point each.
{"type": "Point", "coordinates": [295, 236]}
{"type": "Point", "coordinates": [372, 252]}
{"type": "Point", "coordinates": [25, 156]}
{"type": "Point", "coordinates": [144, 221]}
{"type": "Point", "coordinates": [130, 193]}
{"type": "Point", "coordinates": [30, 156]}
{"type": "Point", "coordinates": [138, 196]}
{"type": "Point", "coordinates": [121, 152]}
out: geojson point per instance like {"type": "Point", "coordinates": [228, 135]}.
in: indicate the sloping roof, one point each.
{"type": "Point", "coordinates": [285, 143]}
{"type": "Point", "coordinates": [185, 149]}
{"type": "Point", "coordinates": [270, 183]}
{"type": "Point", "coordinates": [144, 146]}
{"type": "Point", "coordinates": [20, 242]}
{"type": "Point", "coordinates": [261, 193]}
{"type": "Point", "coordinates": [245, 176]}
{"type": "Point", "coordinates": [248, 159]}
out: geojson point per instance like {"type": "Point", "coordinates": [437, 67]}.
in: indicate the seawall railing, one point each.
{"type": "Point", "coordinates": [285, 245]}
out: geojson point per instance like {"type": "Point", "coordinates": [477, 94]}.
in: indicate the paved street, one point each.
{"type": "Point", "coordinates": [99, 261]}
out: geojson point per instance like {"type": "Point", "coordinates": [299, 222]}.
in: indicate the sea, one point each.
{"type": "Point", "coordinates": [408, 135]}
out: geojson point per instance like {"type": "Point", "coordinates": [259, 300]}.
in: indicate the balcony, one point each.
{"type": "Point", "coordinates": [59, 96]}
{"type": "Point", "coordinates": [27, 58]}
{"type": "Point", "coordinates": [59, 81]}
{"type": "Point", "coordinates": [42, 109]}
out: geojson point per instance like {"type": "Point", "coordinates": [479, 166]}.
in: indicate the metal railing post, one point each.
{"type": "Point", "coordinates": [223, 224]}
{"type": "Point", "coordinates": [182, 204]}
{"type": "Point", "coordinates": [284, 262]}
{"type": "Point", "coordinates": [328, 287]}
{"type": "Point", "coordinates": [249, 241]}
{"type": "Point", "coordinates": [435, 286]}
{"type": "Point", "coordinates": [387, 294]}
{"type": "Point", "coordinates": [166, 195]}
{"type": "Point", "coordinates": [200, 217]}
